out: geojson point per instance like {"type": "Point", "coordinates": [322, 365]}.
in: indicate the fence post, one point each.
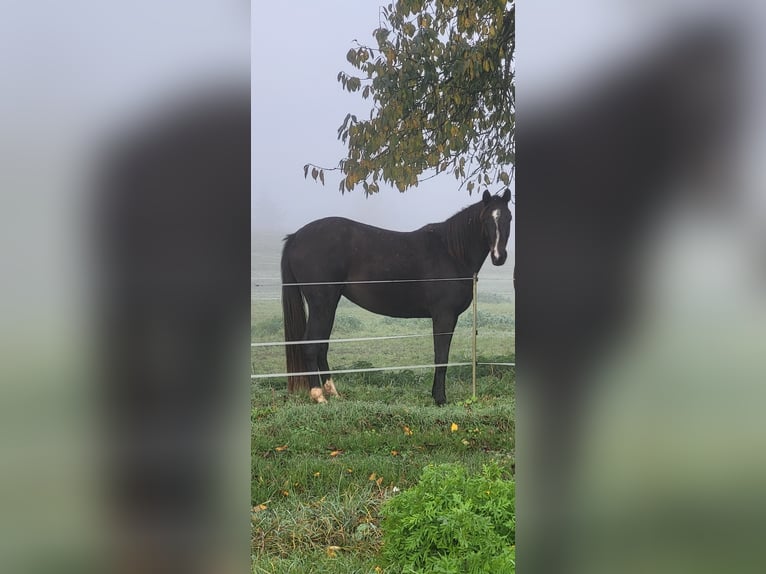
{"type": "Point", "coordinates": [475, 332]}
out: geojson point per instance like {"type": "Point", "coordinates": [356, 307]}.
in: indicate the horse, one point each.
{"type": "Point", "coordinates": [423, 273]}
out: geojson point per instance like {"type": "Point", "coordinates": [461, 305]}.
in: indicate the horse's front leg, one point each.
{"type": "Point", "coordinates": [444, 325]}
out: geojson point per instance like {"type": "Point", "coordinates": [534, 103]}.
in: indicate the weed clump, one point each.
{"type": "Point", "coordinates": [452, 523]}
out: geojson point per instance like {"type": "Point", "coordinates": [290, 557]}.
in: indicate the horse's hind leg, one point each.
{"type": "Point", "coordinates": [327, 382]}
{"type": "Point", "coordinates": [322, 303]}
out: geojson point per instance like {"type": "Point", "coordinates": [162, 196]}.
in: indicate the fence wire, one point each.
{"type": "Point", "coordinates": [359, 339]}
{"type": "Point", "coordinates": [352, 340]}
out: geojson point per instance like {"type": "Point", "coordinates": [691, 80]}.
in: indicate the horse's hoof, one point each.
{"type": "Point", "coordinates": [330, 389]}
{"type": "Point", "coordinates": [317, 396]}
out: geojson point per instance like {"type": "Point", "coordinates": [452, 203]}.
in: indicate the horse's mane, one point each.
{"type": "Point", "coordinates": [462, 229]}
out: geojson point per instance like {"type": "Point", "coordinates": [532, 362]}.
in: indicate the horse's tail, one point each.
{"type": "Point", "coordinates": [294, 315]}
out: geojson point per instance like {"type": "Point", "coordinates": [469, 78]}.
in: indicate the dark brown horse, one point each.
{"type": "Point", "coordinates": [421, 273]}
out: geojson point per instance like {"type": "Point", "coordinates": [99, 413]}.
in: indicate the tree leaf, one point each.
{"type": "Point", "coordinates": [443, 90]}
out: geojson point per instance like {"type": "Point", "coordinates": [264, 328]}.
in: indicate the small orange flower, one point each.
{"type": "Point", "coordinates": [407, 430]}
{"type": "Point", "coordinates": [281, 448]}
{"type": "Point", "coordinates": [453, 427]}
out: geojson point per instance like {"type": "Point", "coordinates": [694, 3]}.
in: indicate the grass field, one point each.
{"type": "Point", "coordinates": [321, 472]}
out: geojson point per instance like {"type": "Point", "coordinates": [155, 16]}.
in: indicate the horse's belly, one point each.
{"type": "Point", "coordinates": [392, 300]}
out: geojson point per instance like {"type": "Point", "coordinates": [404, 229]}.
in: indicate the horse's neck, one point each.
{"type": "Point", "coordinates": [477, 259]}
{"type": "Point", "coordinates": [463, 236]}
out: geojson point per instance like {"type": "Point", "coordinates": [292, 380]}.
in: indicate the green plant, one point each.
{"type": "Point", "coordinates": [346, 323]}
{"type": "Point", "coordinates": [485, 319]}
{"type": "Point", "coordinates": [267, 328]}
{"type": "Point", "coordinates": [452, 523]}
{"type": "Point", "coordinates": [468, 402]}
{"type": "Point", "coordinates": [488, 297]}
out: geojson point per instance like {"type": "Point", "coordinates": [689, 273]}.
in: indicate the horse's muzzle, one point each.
{"type": "Point", "coordinates": [500, 259]}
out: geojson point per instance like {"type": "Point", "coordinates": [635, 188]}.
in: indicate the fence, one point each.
{"type": "Point", "coordinates": [474, 333]}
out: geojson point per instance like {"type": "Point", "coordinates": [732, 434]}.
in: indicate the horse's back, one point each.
{"type": "Point", "coordinates": [321, 235]}
{"type": "Point", "coordinates": [341, 227]}
{"type": "Point", "coordinates": [320, 250]}
{"type": "Point", "coordinates": [338, 236]}
{"type": "Point", "coordinates": [340, 249]}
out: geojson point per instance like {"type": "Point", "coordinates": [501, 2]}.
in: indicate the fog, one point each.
{"type": "Point", "coordinates": [297, 107]}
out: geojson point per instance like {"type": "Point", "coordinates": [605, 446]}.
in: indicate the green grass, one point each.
{"type": "Point", "coordinates": [495, 337]}
{"type": "Point", "coordinates": [321, 472]}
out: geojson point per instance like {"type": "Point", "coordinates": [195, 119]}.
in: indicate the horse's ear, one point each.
{"type": "Point", "coordinates": [486, 197]}
{"type": "Point", "coordinates": [507, 195]}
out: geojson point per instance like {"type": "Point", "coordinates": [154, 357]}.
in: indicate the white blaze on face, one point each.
{"type": "Point", "coordinates": [496, 248]}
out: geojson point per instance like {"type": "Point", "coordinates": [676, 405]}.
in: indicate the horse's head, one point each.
{"type": "Point", "coordinates": [496, 224]}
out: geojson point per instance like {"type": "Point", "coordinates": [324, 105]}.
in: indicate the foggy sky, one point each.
{"type": "Point", "coordinates": [297, 107]}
